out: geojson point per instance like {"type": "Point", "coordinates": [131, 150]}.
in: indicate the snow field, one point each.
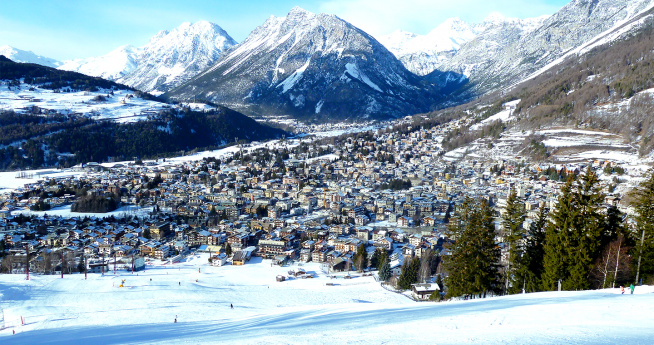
{"type": "Point", "coordinates": [9, 182]}
{"type": "Point", "coordinates": [133, 109]}
{"type": "Point", "coordinates": [72, 310]}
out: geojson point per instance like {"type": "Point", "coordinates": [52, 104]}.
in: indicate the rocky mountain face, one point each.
{"type": "Point", "coordinates": [508, 52]}
{"type": "Point", "coordinates": [168, 60]}
{"type": "Point", "coordinates": [24, 56]}
{"type": "Point", "coordinates": [424, 54]}
{"type": "Point", "coordinates": [311, 66]}
{"type": "Point", "coordinates": [171, 58]}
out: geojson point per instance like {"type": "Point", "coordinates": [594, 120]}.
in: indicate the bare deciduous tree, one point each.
{"type": "Point", "coordinates": [613, 265]}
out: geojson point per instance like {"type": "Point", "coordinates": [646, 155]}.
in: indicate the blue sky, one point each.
{"type": "Point", "coordinates": [66, 29]}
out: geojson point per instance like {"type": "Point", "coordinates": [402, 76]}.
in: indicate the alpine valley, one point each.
{"type": "Point", "coordinates": [319, 68]}
{"type": "Point", "coordinates": [486, 180]}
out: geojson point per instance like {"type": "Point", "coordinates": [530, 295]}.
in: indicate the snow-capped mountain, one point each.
{"type": "Point", "coordinates": [169, 59]}
{"type": "Point", "coordinates": [422, 54]}
{"type": "Point", "coordinates": [24, 56]}
{"type": "Point", "coordinates": [311, 65]}
{"type": "Point", "coordinates": [112, 66]}
{"type": "Point", "coordinates": [507, 51]}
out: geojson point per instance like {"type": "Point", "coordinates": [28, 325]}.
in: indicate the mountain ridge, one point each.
{"type": "Point", "coordinates": [25, 56]}
{"type": "Point", "coordinates": [311, 65]}
{"type": "Point", "coordinates": [167, 60]}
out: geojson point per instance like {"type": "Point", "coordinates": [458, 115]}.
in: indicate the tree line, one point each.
{"type": "Point", "coordinates": [581, 244]}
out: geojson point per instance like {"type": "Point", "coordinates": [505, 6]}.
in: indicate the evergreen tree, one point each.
{"type": "Point", "coordinates": [643, 252]}
{"type": "Point", "coordinates": [374, 260]}
{"type": "Point", "coordinates": [529, 267]}
{"type": "Point", "coordinates": [576, 234]}
{"type": "Point", "coordinates": [436, 295]}
{"type": "Point", "coordinates": [512, 221]}
{"type": "Point", "coordinates": [473, 263]}
{"type": "Point", "coordinates": [228, 250]}
{"type": "Point", "coordinates": [385, 271]}
{"type": "Point", "coordinates": [409, 273]}
{"type": "Point", "coordinates": [556, 233]}
{"type": "Point", "coordinates": [80, 265]}
{"type": "Point", "coordinates": [588, 231]}
{"type": "Point", "coordinates": [361, 252]}
{"type": "Point", "coordinates": [383, 258]}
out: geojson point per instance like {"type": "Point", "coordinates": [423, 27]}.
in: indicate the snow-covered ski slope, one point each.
{"type": "Point", "coordinates": [303, 311]}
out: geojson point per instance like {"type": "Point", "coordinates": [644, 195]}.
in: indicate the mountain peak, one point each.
{"type": "Point", "coordinates": [451, 26]}
{"type": "Point", "coordinates": [495, 18]}
{"type": "Point", "coordinates": [297, 10]}
{"type": "Point", "coordinates": [310, 65]}
{"type": "Point", "coordinates": [159, 35]}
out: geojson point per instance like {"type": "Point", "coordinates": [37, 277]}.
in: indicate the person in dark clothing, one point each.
{"type": "Point", "coordinates": [231, 305]}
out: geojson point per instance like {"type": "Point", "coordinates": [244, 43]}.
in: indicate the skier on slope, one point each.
{"type": "Point", "coordinates": [622, 289]}
{"type": "Point", "coordinates": [632, 287]}
{"type": "Point", "coordinates": [231, 305]}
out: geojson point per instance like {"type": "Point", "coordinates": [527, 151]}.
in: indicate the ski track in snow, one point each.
{"type": "Point", "coordinates": [74, 310]}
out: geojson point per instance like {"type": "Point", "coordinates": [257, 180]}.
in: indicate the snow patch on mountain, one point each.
{"type": "Point", "coordinates": [354, 71]}
{"type": "Point", "coordinates": [25, 56]}
{"type": "Point", "coordinates": [294, 78]}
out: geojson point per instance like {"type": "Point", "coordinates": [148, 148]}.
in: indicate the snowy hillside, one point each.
{"type": "Point", "coordinates": [311, 65]}
{"type": "Point", "coordinates": [168, 60]}
{"type": "Point", "coordinates": [359, 310]}
{"type": "Point", "coordinates": [24, 56]}
{"type": "Point", "coordinates": [112, 66]}
{"type": "Point", "coordinates": [122, 106]}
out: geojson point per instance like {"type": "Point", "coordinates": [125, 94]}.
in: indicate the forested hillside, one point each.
{"type": "Point", "coordinates": [85, 140]}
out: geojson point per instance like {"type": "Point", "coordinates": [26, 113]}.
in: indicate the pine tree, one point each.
{"type": "Point", "coordinates": [556, 232]}
{"type": "Point", "coordinates": [374, 260]}
{"type": "Point", "coordinates": [385, 271]}
{"type": "Point", "coordinates": [473, 263]}
{"type": "Point", "coordinates": [588, 231]}
{"type": "Point", "coordinates": [436, 295]}
{"type": "Point", "coordinates": [361, 257]}
{"type": "Point", "coordinates": [575, 236]}
{"type": "Point", "coordinates": [512, 221]}
{"type": "Point", "coordinates": [228, 250]}
{"type": "Point", "coordinates": [643, 252]}
{"type": "Point", "coordinates": [383, 258]}
{"type": "Point", "coordinates": [409, 273]}
{"type": "Point", "coordinates": [530, 267]}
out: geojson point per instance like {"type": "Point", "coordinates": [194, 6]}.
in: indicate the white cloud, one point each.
{"type": "Point", "coordinates": [381, 17]}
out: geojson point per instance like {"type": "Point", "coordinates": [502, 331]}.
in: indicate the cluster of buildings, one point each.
{"type": "Point", "coordinates": [319, 201]}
